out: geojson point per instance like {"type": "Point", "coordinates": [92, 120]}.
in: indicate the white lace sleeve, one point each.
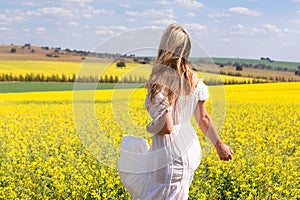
{"type": "Point", "coordinates": [201, 91]}
{"type": "Point", "coordinates": [157, 109]}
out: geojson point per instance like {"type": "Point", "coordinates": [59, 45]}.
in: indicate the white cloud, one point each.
{"type": "Point", "coordinates": [245, 11]}
{"type": "Point", "coordinates": [130, 20]}
{"type": "Point", "coordinates": [288, 30]}
{"type": "Point", "coordinates": [103, 12]}
{"type": "Point", "coordinates": [296, 1]}
{"type": "Point", "coordinates": [189, 3]}
{"type": "Point", "coordinates": [4, 18]}
{"type": "Point", "coordinates": [271, 28]}
{"type": "Point", "coordinates": [225, 40]}
{"type": "Point", "coordinates": [195, 27]}
{"type": "Point", "coordinates": [218, 15]}
{"type": "Point", "coordinates": [164, 13]}
{"type": "Point", "coordinates": [124, 5]}
{"type": "Point", "coordinates": [110, 30]}
{"type": "Point", "coordinates": [289, 44]}
{"type": "Point", "coordinates": [265, 29]}
{"type": "Point", "coordinates": [54, 11]}
{"type": "Point", "coordinates": [85, 11]}
{"type": "Point", "coordinates": [73, 23]}
{"type": "Point", "coordinates": [298, 11]}
{"type": "Point", "coordinates": [162, 2]}
{"type": "Point", "coordinates": [254, 31]}
{"type": "Point", "coordinates": [163, 21]}
{"type": "Point", "coordinates": [238, 27]}
{"type": "Point", "coordinates": [12, 16]}
{"type": "Point", "coordinates": [296, 21]}
{"type": "Point", "coordinates": [104, 32]}
{"type": "Point", "coordinates": [191, 14]}
{"type": "Point", "coordinates": [26, 30]}
{"type": "Point", "coordinates": [30, 3]}
{"type": "Point", "coordinates": [89, 16]}
{"type": "Point", "coordinates": [4, 29]}
{"type": "Point", "coordinates": [88, 11]}
{"type": "Point", "coordinates": [79, 1]}
{"type": "Point", "coordinates": [155, 17]}
{"type": "Point", "coordinates": [40, 30]}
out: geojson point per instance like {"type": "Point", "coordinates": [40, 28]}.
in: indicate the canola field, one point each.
{"type": "Point", "coordinates": [47, 68]}
{"type": "Point", "coordinates": [43, 157]}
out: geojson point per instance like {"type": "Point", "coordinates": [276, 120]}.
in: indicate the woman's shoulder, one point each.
{"type": "Point", "coordinates": [201, 90]}
{"type": "Point", "coordinates": [198, 82]}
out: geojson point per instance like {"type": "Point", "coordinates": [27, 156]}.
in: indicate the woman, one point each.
{"type": "Point", "coordinates": [175, 94]}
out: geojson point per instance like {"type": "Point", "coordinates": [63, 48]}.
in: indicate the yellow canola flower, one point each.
{"type": "Point", "coordinates": [43, 157]}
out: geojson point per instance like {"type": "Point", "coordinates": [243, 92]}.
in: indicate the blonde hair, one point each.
{"type": "Point", "coordinates": [171, 73]}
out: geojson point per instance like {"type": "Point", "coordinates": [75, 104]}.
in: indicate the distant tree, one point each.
{"type": "Point", "coordinates": [111, 79]}
{"type": "Point", "coordinates": [121, 64]}
{"type": "Point", "coordinates": [32, 51]}
{"type": "Point", "coordinates": [13, 50]}
{"type": "Point", "coordinates": [269, 67]}
{"type": "Point", "coordinates": [297, 73]}
{"type": "Point", "coordinates": [45, 48]}
{"type": "Point", "coordinates": [147, 60]}
{"type": "Point", "coordinates": [298, 67]}
{"type": "Point", "coordinates": [221, 65]}
{"type": "Point", "coordinates": [116, 79]}
{"type": "Point", "coordinates": [21, 77]}
{"type": "Point", "coordinates": [106, 79]}
{"type": "Point", "coordinates": [63, 78]}
{"type": "Point", "coordinates": [101, 80]}
{"type": "Point", "coordinates": [239, 68]}
{"type": "Point", "coordinates": [244, 64]}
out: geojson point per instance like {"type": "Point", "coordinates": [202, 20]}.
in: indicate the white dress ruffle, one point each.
{"type": "Point", "coordinates": [165, 170]}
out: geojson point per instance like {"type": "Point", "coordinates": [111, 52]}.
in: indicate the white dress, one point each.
{"type": "Point", "coordinates": [166, 169]}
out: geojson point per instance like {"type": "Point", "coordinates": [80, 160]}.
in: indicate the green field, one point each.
{"type": "Point", "coordinates": [283, 64]}
{"type": "Point", "coordinates": [17, 87]}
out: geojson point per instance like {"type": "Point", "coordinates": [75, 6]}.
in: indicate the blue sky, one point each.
{"type": "Point", "coordinates": [231, 28]}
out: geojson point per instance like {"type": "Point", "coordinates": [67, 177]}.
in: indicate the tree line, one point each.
{"type": "Point", "coordinates": [240, 65]}
{"type": "Point", "coordinates": [257, 78]}
{"type": "Point", "coordinates": [32, 77]}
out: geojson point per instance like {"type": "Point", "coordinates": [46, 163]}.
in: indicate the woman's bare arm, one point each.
{"type": "Point", "coordinates": [207, 126]}
{"type": "Point", "coordinates": [168, 124]}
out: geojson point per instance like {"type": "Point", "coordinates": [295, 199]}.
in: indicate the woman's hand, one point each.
{"type": "Point", "coordinates": [223, 150]}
